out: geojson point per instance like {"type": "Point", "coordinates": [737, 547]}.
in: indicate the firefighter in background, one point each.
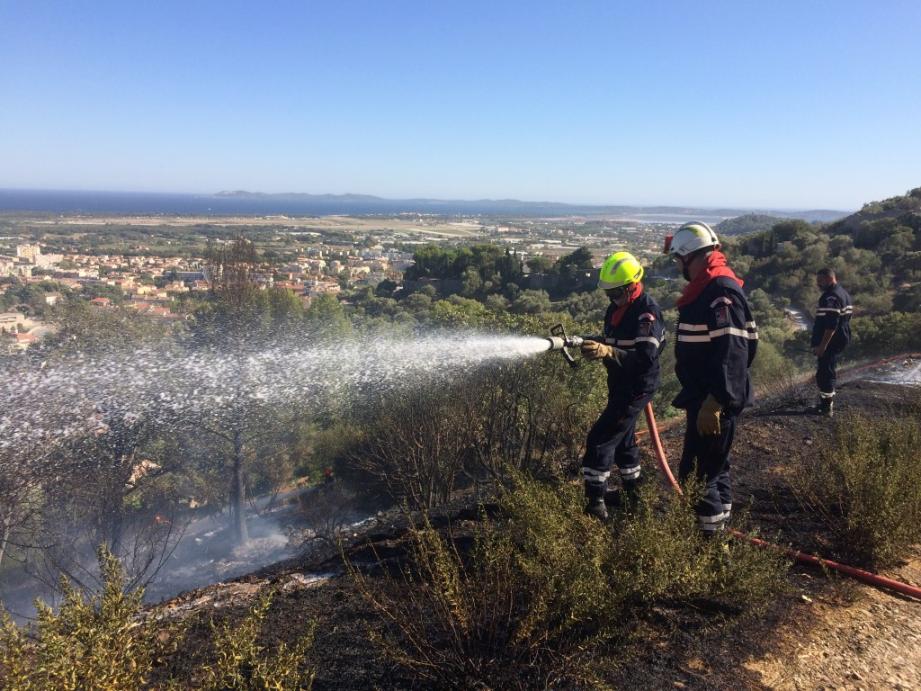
{"type": "Point", "coordinates": [714, 349]}
{"type": "Point", "coordinates": [830, 335]}
{"type": "Point", "coordinates": [633, 338]}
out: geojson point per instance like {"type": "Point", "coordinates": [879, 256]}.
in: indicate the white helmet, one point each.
{"type": "Point", "coordinates": [691, 237]}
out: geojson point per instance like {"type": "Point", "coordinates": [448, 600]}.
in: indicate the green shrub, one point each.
{"type": "Point", "coordinates": [545, 591]}
{"type": "Point", "coordinates": [104, 644]}
{"type": "Point", "coordinates": [892, 332]}
{"type": "Point", "coordinates": [660, 555]}
{"type": "Point", "coordinates": [866, 487]}
{"type": "Point", "coordinates": [241, 663]}
{"type": "Point", "coordinates": [96, 644]}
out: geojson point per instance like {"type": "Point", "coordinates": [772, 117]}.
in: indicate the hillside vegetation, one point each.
{"type": "Point", "coordinates": [876, 254]}
{"type": "Point", "coordinates": [487, 575]}
{"type": "Point", "coordinates": [746, 224]}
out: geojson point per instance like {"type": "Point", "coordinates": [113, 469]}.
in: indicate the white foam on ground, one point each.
{"type": "Point", "coordinates": [905, 373]}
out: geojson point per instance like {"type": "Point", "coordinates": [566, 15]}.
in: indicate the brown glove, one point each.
{"type": "Point", "coordinates": [593, 350]}
{"type": "Point", "coordinates": [708, 418]}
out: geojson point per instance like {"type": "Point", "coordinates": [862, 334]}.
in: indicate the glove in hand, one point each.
{"type": "Point", "coordinates": [708, 418]}
{"type": "Point", "coordinates": [593, 350]}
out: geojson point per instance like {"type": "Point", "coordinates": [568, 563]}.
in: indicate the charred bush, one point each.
{"type": "Point", "coordinates": [418, 448]}
{"type": "Point", "coordinates": [865, 486]}
{"type": "Point", "coordinates": [529, 418]}
{"type": "Point", "coordinates": [546, 596]}
{"type": "Point", "coordinates": [412, 449]}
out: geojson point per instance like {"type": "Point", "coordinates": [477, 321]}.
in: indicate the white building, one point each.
{"type": "Point", "coordinates": [29, 252]}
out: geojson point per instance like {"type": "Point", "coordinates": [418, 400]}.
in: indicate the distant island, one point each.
{"type": "Point", "coordinates": [537, 208]}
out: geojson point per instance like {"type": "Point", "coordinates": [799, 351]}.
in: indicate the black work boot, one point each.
{"type": "Point", "coordinates": [632, 494]}
{"type": "Point", "coordinates": [596, 508]}
{"type": "Point", "coordinates": [824, 407]}
{"type": "Point", "coordinates": [613, 498]}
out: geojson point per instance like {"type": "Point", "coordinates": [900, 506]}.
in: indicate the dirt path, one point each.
{"type": "Point", "coordinates": [873, 642]}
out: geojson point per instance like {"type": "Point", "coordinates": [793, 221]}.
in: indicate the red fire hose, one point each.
{"type": "Point", "coordinates": [801, 557]}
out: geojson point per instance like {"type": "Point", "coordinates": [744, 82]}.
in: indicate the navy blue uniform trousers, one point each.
{"type": "Point", "coordinates": [826, 373]}
{"type": "Point", "coordinates": [708, 458]}
{"type": "Point", "coordinates": [611, 441]}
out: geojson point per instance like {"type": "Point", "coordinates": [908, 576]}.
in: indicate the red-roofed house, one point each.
{"type": "Point", "coordinates": [17, 342]}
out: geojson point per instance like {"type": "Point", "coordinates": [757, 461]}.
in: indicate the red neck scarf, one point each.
{"type": "Point", "coordinates": [716, 267]}
{"type": "Point", "coordinates": [635, 290]}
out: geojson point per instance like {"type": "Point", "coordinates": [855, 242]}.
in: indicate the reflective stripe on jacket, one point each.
{"type": "Point", "coordinates": [834, 312]}
{"type": "Point", "coordinates": [714, 348]}
{"type": "Point", "coordinates": [641, 333]}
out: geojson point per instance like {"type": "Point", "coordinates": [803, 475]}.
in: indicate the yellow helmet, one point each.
{"type": "Point", "coordinates": [620, 269]}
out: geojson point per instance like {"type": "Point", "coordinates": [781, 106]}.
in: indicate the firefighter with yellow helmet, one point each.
{"type": "Point", "coordinates": [633, 337]}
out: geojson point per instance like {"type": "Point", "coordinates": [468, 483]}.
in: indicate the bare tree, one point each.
{"type": "Point", "coordinates": [415, 447]}
{"type": "Point", "coordinates": [241, 318]}
{"type": "Point", "coordinates": [116, 489]}
{"type": "Point", "coordinates": [245, 431]}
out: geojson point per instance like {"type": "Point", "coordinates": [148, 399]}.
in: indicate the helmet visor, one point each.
{"type": "Point", "coordinates": [617, 293]}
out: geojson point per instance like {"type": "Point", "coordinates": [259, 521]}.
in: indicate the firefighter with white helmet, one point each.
{"type": "Point", "coordinates": [633, 337]}
{"type": "Point", "coordinates": [715, 345]}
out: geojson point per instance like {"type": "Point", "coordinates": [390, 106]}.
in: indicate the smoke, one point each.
{"type": "Point", "coordinates": [207, 555]}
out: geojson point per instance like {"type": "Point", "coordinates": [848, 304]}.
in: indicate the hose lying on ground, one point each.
{"type": "Point", "coordinates": [801, 557]}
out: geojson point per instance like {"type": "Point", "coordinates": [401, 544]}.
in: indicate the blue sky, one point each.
{"type": "Point", "coordinates": [743, 103]}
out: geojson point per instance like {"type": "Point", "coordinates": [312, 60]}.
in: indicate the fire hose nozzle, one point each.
{"type": "Point", "coordinates": [556, 343]}
{"type": "Point", "coordinates": [558, 340]}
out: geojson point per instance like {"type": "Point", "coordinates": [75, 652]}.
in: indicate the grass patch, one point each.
{"type": "Point", "coordinates": [865, 487]}
{"type": "Point", "coordinates": [546, 597]}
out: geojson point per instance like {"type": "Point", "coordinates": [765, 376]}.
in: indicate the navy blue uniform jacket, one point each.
{"type": "Point", "coordinates": [716, 343]}
{"type": "Point", "coordinates": [642, 334]}
{"type": "Point", "coordinates": [834, 312]}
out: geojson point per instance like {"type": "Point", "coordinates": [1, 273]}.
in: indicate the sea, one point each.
{"type": "Point", "coordinates": [144, 203]}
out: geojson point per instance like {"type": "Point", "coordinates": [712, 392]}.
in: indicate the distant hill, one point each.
{"type": "Point", "coordinates": [243, 194]}
{"type": "Point", "coordinates": [747, 223]}
{"type": "Point", "coordinates": [244, 203]}
{"type": "Point", "coordinates": [905, 208]}
{"type": "Point", "coordinates": [876, 253]}
{"type": "Point", "coordinates": [372, 204]}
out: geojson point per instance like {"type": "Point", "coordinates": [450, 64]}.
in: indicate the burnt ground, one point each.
{"type": "Point", "coordinates": [827, 632]}
{"type": "Point", "coordinates": [822, 632]}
